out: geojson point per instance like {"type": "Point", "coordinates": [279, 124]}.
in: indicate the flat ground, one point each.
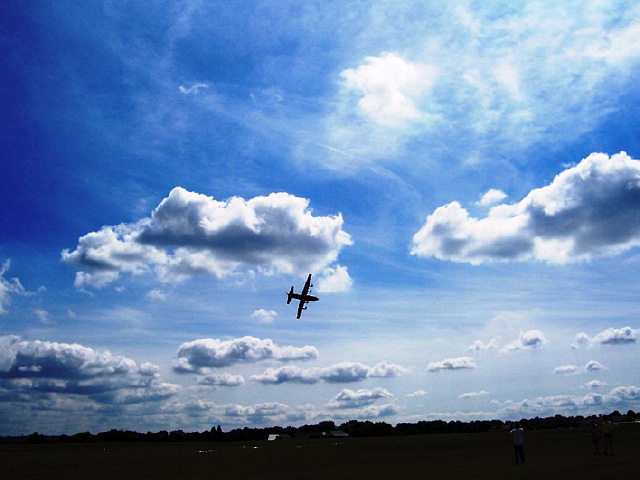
{"type": "Point", "coordinates": [563, 453]}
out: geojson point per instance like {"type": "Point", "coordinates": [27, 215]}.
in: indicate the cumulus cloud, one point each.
{"type": "Point", "coordinates": [222, 380]}
{"type": "Point", "coordinates": [200, 355]}
{"type": "Point", "coordinates": [8, 288]}
{"type": "Point", "coordinates": [615, 336]}
{"type": "Point", "coordinates": [529, 340]}
{"type": "Point", "coordinates": [264, 316]}
{"type": "Point", "coordinates": [610, 336]}
{"type": "Point", "coordinates": [190, 233]}
{"type": "Point", "coordinates": [30, 367]}
{"type": "Point", "coordinates": [343, 372]}
{"type": "Point", "coordinates": [457, 363]}
{"type": "Point", "coordinates": [335, 280]}
{"type": "Point", "coordinates": [360, 398]}
{"type": "Point", "coordinates": [588, 211]}
{"type": "Point", "coordinates": [391, 88]}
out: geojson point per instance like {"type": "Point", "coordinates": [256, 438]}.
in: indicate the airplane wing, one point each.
{"type": "Point", "coordinates": [307, 285]}
{"type": "Point", "coordinates": [300, 308]}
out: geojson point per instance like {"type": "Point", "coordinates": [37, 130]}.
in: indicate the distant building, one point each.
{"type": "Point", "coordinates": [278, 436]}
{"type": "Point", "coordinates": [337, 434]}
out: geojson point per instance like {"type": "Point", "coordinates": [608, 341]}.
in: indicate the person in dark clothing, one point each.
{"type": "Point", "coordinates": [517, 434]}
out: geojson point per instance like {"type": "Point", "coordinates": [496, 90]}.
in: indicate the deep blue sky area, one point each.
{"type": "Point", "coordinates": [462, 180]}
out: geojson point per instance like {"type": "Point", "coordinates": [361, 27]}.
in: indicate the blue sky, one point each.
{"type": "Point", "coordinates": [462, 179]}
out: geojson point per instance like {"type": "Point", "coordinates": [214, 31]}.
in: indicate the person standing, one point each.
{"type": "Point", "coordinates": [517, 435]}
{"type": "Point", "coordinates": [607, 434]}
{"type": "Point", "coordinates": [594, 433]}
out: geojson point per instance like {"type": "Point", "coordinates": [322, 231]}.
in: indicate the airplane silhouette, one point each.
{"type": "Point", "coordinates": [304, 297]}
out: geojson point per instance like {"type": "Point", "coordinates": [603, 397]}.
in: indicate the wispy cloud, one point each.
{"type": "Point", "coordinates": [471, 395]}
{"type": "Point", "coordinates": [193, 89]}
{"type": "Point", "coordinates": [417, 393]}
{"type": "Point", "coordinates": [557, 82]}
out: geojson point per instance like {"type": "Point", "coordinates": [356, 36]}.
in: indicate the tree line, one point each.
{"type": "Point", "coordinates": [353, 428]}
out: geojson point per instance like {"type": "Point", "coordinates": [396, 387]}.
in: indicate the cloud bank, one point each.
{"type": "Point", "coordinates": [190, 233]}
{"type": "Point", "coordinates": [38, 367]}
{"type": "Point", "coordinates": [588, 211]}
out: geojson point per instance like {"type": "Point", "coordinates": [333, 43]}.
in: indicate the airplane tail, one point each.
{"type": "Point", "coordinates": [289, 296]}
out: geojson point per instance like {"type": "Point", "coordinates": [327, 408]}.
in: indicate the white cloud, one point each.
{"type": "Point", "coordinates": [610, 336]}
{"type": "Point", "coordinates": [357, 399]}
{"type": "Point", "coordinates": [479, 345]}
{"type": "Point", "coordinates": [193, 89]}
{"type": "Point", "coordinates": [594, 384]}
{"type": "Point", "coordinates": [451, 364]}
{"type": "Point", "coordinates": [417, 393]}
{"type": "Point", "coordinates": [43, 316]}
{"type": "Point", "coordinates": [392, 88]}
{"type": "Point", "coordinates": [32, 368]}
{"type": "Point", "coordinates": [156, 294]}
{"type": "Point", "coordinates": [615, 336]}
{"type": "Point", "coordinates": [593, 365]}
{"type": "Point", "coordinates": [590, 366]}
{"type": "Point", "coordinates": [505, 80]}
{"type": "Point", "coordinates": [528, 340]}
{"type": "Point", "coordinates": [335, 280]}
{"type": "Point", "coordinates": [587, 211]}
{"type": "Point", "coordinates": [200, 355]}
{"type": "Point", "coordinates": [8, 288]}
{"type": "Point", "coordinates": [491, 197]}
{"type": "Point", "coordinates": [567, 370]}
{"type": "Point", "coordinates": [264, 316]}
{"type": "Point", "coordinates": [190, 233]}
{"type": "Point", "coordinates": [470, 395]}
{"type": "Point", "coordinates": [222, 380]}
{"type": "Point", "coordinates": [580, 340]}
{"type": "Point", "coordinates": [343, 372]}
{"type": "Point", "coordinates": [571, 404]}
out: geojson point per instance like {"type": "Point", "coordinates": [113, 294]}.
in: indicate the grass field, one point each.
{"type": "Point", "coordinates": [553, 454]}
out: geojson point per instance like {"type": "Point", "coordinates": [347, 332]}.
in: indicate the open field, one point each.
{"type": "Point", "coordinates": [564, 453]}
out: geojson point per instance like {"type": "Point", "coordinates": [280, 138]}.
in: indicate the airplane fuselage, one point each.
{"type": "Point", "coordinates": [303, 298]}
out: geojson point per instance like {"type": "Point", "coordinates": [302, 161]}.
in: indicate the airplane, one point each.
{"type": "Point", "coordinates": [304, 297]}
